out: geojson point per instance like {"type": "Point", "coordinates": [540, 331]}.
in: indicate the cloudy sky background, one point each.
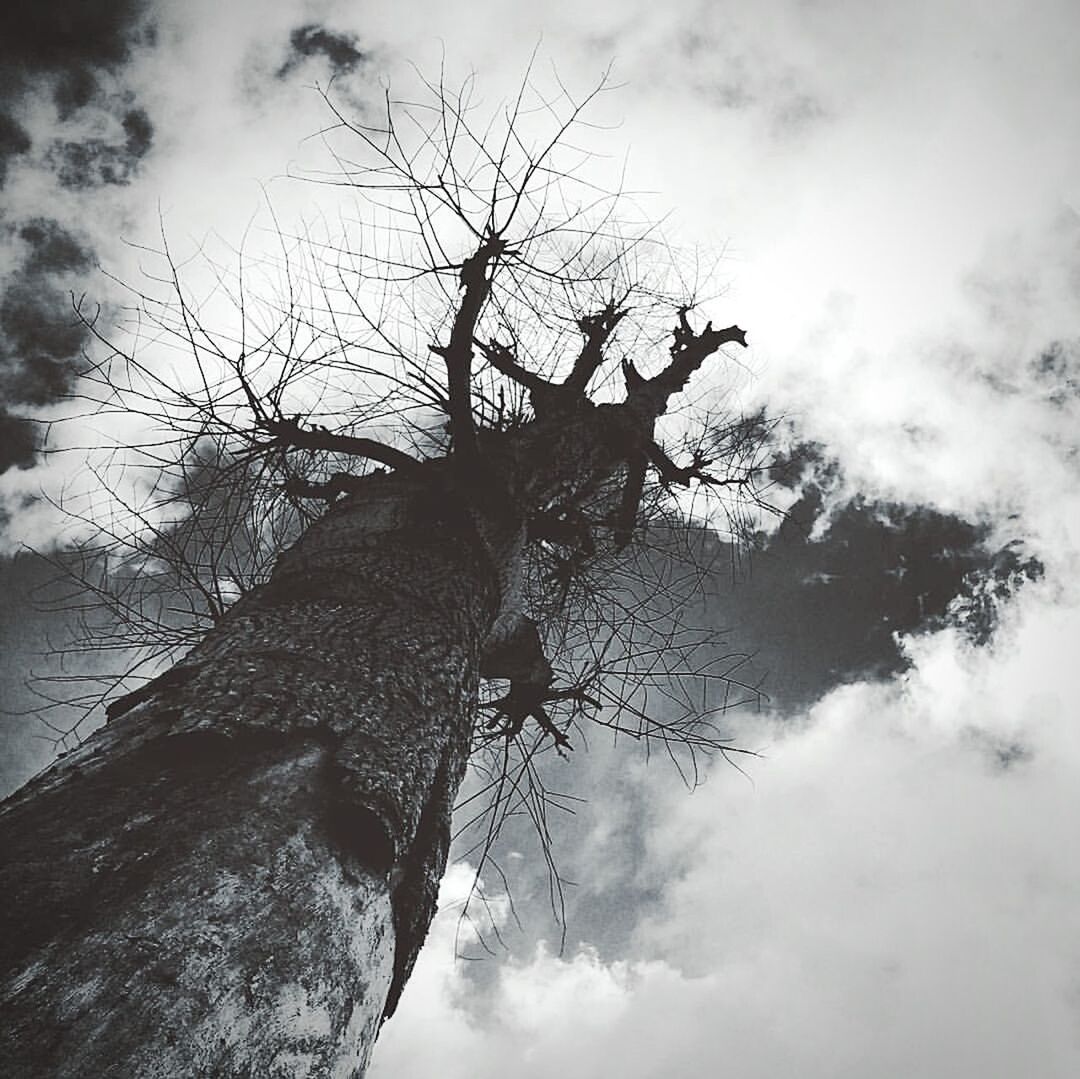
{"type": "Point", "coordinates": [895, 889]}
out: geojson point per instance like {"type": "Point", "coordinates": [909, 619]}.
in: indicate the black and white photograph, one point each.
{"type": "Point", "coordinates": [539, 539]}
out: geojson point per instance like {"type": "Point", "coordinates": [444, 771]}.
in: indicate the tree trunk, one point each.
{"type": "Point", "coordinates": [234, 876]}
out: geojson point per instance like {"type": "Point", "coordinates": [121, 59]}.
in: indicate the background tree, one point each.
{"type": "Point", "coordinates": [398, 472]}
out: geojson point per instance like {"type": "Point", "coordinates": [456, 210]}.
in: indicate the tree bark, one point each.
{"type": "Point", "coordinates": [234, 876]}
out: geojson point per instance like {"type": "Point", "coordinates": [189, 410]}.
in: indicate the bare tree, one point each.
{"type": "Point", "coordinates": [410, 475]}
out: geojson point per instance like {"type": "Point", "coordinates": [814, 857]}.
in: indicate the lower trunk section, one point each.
{"type": "Point", "coordinates": [234, 876]}
{"type": "Point", "coordinates": [195, 910]}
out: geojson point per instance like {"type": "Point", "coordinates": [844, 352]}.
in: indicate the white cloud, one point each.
{"type": "Point", "coordinates": [896, 895]}
{"type": "Point", "coordinates": [919, 213]}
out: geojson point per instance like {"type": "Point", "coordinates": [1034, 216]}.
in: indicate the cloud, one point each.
{"type": "Point", "coordinates": [18, 441]}
{"type": "Point", "coordinates": [311, 41]}
{"type": "Point", "coordinates": [895, 897]}
{"type": "Point", "coordinates": [39, 342]}
{"type": "Point", "coordinates": [66, 120]}
{"type": "Point", "coordinates": [64, 48]}
{"type": "Point", "coordinates": [869, 569]}
{"type": "Point", "coordinates": [892, 896]}
{"type": "Point", "coordinates": [41, 338]}
{"type": "Point", "coordinates": [92, 162]}
{"type": "Point", "coordinates": [53, 249]}
{"type": "Point", "coordinates": [64, 104]}
{"type": "Point", "coordinates": [919, 249]}
{"type": "Point", "coordinates": [840, 596]}
{"type": "Point", "coordinates": [14, 140]}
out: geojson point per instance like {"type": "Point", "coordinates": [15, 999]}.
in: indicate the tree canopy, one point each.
{"type": "Point", "coordinates": [484, 315]}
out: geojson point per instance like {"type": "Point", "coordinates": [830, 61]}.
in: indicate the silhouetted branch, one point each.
{"type": "Point", "coordinates": [458, 351]}
{"type": "Point", "coordinates": [597, 329]}
{"type": "Point", "coordinates": [288, 432]}
{"type": "Point", "coordinates": [688, 352]}
{"type": "Point", "coordinates": [502, 359]}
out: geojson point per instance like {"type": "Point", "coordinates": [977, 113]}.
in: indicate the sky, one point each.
{"type": "Point", "coordinates": [894, 197]}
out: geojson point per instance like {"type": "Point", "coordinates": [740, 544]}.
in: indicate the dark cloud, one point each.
{"type": "Point", "coordinates": [138, 132]}
{"type": "Point", "coordinates": [826, 611]}
{"type": "Point", "coordinates": [53, 249]}
{"type": "Point", "coordinates": [312, 40]}
{"type": "Point", "coordinates": [41, 338]}
{"type": "Point", "coordinates": [18, 441]}
{"type": "Point", "coordinates": [95, 162]}
{"type": "Point", "coordinates": [74, 90]}
{"type": "Point", "coordinates": [990, 586]}
{"type": "Point", "coordinates": [818, 605]}
{"type": "Point", "coordinates": [816, 613]}
{"type": "Point", "coordinates": [71, 53]}
{"type": "Point", "coordinates": [62, 49]}
{"type": "Point", "coordinates": [40, 341]}
{"type": "Point", "coordinates": [90, 163]}
{"type": "Point", "coordinates": [70, 39]}
{"type": "Point", "coordinates": [14, 141]}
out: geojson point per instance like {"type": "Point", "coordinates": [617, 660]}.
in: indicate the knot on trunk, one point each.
{"type": "Point", "coordinates": [513, 650]}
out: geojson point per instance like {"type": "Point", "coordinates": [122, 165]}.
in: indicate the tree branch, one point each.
{"type": "Point", "coordinates": [502, 359]}
{"type": "Point", "coordinates": [290, 433]}
{"type": "Point", "coordinates": [514, 651]}
{"type": "Point", "coordinates": [597, 329]}
{"type": "Point", "coordinates": [688, 352]}
{"type": "Point", "coordinates": [671, 473]}
{"type": "Point", "coordinates": [458, 352]}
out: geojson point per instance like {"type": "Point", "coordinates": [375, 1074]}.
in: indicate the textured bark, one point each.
{"type": "Point", "coordinates": [234, 876]}
{"type": "Point", "coordinates": [189, 912]}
